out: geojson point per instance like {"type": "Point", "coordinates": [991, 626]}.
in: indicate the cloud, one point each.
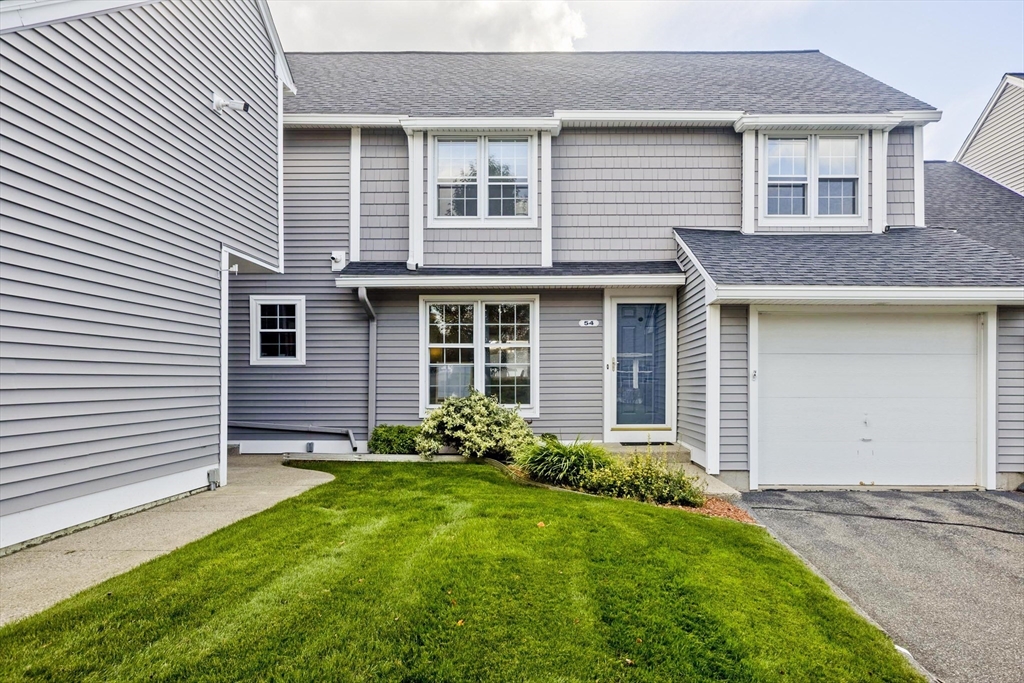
{"type": "Point", "coordinates": [453, 25]}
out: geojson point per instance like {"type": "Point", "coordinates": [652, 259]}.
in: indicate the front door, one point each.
{"type": "Point", "coordinates": [640, 371]}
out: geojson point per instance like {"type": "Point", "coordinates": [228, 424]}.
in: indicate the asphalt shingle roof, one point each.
{"type": "Point", "coordinates": [537, 83]}
{"type": "Point", "coordinates": [982, 209]}
{"type": "Point", "coordinates": [390, 268]}
{"type": "Point", "coordinates": [903, 257]}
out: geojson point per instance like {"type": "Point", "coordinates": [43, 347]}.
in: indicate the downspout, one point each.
{"type": "Point", "coordinates": [371, 399]}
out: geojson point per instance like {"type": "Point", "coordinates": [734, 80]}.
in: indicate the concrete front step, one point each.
{"type": "Point", "coordinates": [670, 453]}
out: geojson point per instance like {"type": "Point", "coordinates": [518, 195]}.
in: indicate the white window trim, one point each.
{"type": "Point", "coordinates": [812, 218]}
{"type": "Point", "coordinates": [529, 411]}
{"type": "Point", "coordinates": [481, 220]}
{"type": "Point", "coordinates": [254, 330]}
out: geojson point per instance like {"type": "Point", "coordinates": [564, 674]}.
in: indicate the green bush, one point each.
{"type": "Point", "coordinates": [554, 462]}
{"type": "Point", "coordinates": [643, 478]}
{"type": "Point", "coordinates": [394, 439]}
{"type": "Point", "coordinates": [475, 426]}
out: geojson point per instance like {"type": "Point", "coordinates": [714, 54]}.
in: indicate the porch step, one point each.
{"type": "Point", "coordinates": [670, 453]}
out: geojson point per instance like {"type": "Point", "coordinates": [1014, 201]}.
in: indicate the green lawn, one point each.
{"type": "Point", "coordinates": [436, 572]}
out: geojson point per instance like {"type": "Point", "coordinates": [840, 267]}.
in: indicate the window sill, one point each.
{"type": "Point", "coordinates": [812, 222]}
{"type": "Point", "coordinates": [477, 223]}
{"type": "Point", "coordinates": [525, 413]}
{"type": "Point", "coordinates": [284, 362]}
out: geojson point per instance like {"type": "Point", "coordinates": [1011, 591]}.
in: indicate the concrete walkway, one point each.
{"type": "Point", "coordinates": [41, 576]}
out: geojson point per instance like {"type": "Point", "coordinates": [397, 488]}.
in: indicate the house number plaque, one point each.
{"type": "Point", "coordinates": [590, 323]}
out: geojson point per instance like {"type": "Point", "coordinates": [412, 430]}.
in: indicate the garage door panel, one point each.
{"type": "Point", "coordinates": [868, 376]}
{"type": "Point", "coordinates": [912, 377]}
{"type": "Point", "coordinates": [868, 333]}
{"type": "Point", "coordinates": [888, 420]}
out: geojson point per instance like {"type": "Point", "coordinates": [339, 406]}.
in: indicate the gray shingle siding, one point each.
{"type": "Point", "coordinates": [330, 390]}
{"type": "Point", "coordinates": [734, 439]}
{"type": "Point", "coordinates": [691, 352]}
{"type": "Point", "coordinates": [384, 202]}
{"type": "Point", "coordinates": [119, 185]}
{"type": "Point", "coordinates": [900, 177]}
{"type": "Point", "coordinates": [462, 84]}
{"type": "Point", "coordinates": [619, 192]}
{"type": "Point", "coordinates": [1010, 390]}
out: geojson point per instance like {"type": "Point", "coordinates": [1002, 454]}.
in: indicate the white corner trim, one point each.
{"type": "Point", "coordinates": [1007, 80]}
{"type": "Point", "coordinates": [506, 281]}
{"type": "Point", "coordinates": [280, 180]}
{"type": "Point", "coordinates": [713, 396]}
{"type": "Point", "coordinates": [19, 14]}
{"type": "Point", "coordinates": [222, 449]}
{"type": "Point", "coordinates": [482, 124]}
{"type": "Point", "coordinates": [284, 73]}
{"type": "Point", "coordinates": [739, 294]}
{"type": "Point", "coordinates": [546, 199]}
{"type": "Point", "coordinates": [354, 192]}
{"type": "Point", "coordinates": [254, 329]}
{"type": "Point", "coordinates": [28, 524]}
{"type": "Point", "coordinates": [990, 407]}
{"type": "Point", "coordinates": [850, 122]}
{"type": "Point", "coordinates": [415, 259]}
{"type": "Point", "coordinates": [879, 180]}
{"type": "Point", "coordinates": [342, 120]}
{"type": "Point", "coordinates": [919, 216]}
{"type": "Point", "coordinates": [710, 286]}
{"type": "Point", "coordinates": [753, 396]}
{"type": "Point", "coordinates": [748, 174]}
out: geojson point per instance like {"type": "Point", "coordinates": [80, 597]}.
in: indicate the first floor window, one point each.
{"type": "Point", "coordinates": [277, 330]}
{"type": "Point", "coordinates": [483, 345]}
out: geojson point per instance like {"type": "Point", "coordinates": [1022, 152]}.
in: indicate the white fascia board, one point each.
{"type": "Point", "coordinates": [919, 117]}
{"type": "Point", "coordinates": [507, 281]}
{"type": "Point", "coordinates": [866, 294]}
{"type": "Point", "coordinates": [284, 74]}
{"type": "Point", "coordinates": [19, 14]}
{"type": "Point", "coordinates": [648, 117]}
{"type": "Point", "coordinates": [984, 116]}
{"type": "Point", "coordinates": [710, 286]}
{"type": "Point", "coordinates": [342, 120]}
{"type": "Point", "coordinates": [817, 122]}
{"type": "Point", "coordinates": [482, 123]}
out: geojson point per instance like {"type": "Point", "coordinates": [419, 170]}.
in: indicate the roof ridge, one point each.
{"type": "Point", "coordinates": [552, 52]}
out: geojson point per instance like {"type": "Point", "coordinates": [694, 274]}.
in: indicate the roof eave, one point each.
{"type": "Point", "coordinates": [866, 294]}
{"type": "Point", "coordinates": [508, 281]}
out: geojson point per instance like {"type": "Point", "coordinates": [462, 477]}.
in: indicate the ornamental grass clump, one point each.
{"type": "Point", "coordinates": [474, 426]}
{"type": "Point", "coordinates": [645, 478]}
{"type": "Point", "coordinates": [554, 462]}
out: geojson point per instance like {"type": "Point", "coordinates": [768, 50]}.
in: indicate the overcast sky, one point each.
{"type": "Point", "coordinates": [949, 54]}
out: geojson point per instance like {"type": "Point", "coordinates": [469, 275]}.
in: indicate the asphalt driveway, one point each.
{"type": "Point", "coordinates": [942, 573]}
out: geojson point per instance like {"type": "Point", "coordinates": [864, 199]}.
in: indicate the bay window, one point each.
{"type": "Point", "coordinates": [485, 344]}
{"type": "Point", "coordinates": [809, 177]}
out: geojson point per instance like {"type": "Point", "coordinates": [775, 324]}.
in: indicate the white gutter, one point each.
{"type": "Point", "coordinates": [728, 294]}
{"type": "Point", "coordinates": [506, 281]}
{"type": "Point", "coordinates": [485, 123]}
{"type": "Point", "coordinates": [342, 120]}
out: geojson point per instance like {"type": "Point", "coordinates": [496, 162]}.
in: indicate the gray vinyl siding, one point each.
{"type": "Point", "coordinates": [900, 170]}
{"type": "Point", "coordinates": [997, 151]}
{"type": "Point", "coordinates": [331, 389]}
{"type": "Point", "coordinates": [691, 362]}
{"type": "Point", "coordinates": [619, 192]}
{"type": "Point", "coordinates": [735, 445]}
{"type": "Point", "coordinates": [118, 186]}
{"type": "Point", "coordinates": [1010, 391]}
{"type": "Point", "coordinates": [571, 361]}
{"type": "Point", "coordinates": [482, 246]}
{"type": "Point", "coordinates": [384, 202]}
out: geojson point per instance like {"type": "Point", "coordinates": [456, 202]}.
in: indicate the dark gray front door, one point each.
{"type": "Point", "coordinates": [640, 382]}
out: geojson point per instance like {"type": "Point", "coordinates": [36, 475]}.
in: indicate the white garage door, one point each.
{"type": "Point", "coordinates": [877, 398]}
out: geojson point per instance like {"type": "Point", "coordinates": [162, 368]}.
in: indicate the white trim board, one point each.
{"type": "Point", "coordinates": [415, 259]}
{"type": "Point", "coordinates": [257, 300]}
{"type": "Point", "coordinates": [355, 191]}
{"type": "Point", "coordinates": [506, 281]}
{"type": "Point", "coordinates": [47, 519]}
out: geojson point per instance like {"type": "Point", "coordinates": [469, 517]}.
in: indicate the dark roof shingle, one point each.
{"type": "Point", "coordinates": [903, 257]}
{"type": "Point", "coordinates": [982, 209]}
{"type": "Point", "coordinates": [538, 83]}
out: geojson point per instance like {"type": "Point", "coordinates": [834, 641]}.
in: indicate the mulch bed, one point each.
{"type": "Point", "coordinates": [716, 507]}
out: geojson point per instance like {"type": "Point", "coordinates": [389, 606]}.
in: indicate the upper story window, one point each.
{"type": "Point", "coordinates": [277, 330]}
{"type": "Point", "coordinates": [814, 177]}
{"type": "Point", "coordinates": [487, 178]}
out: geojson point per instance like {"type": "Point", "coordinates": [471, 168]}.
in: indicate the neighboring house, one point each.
{"type": "Point", "coordinates": [995, 146]}
{"type": "Point", "coordinates": [721, 250]}
{"type": "Point", "coordinates": [125, 198]}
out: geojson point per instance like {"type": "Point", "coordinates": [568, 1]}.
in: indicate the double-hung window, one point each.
{"type": "Point", "coordinates": [813, 177]}
{"type": "Point", "coordinates": [483, 180]}
{"type": "Point", "coordinates": [277, 330]}
{"type": "Point", "coordinates": [485, 344]}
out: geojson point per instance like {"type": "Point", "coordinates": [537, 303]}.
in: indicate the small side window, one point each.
{"type": "Point", "coordinates": [277, 331]}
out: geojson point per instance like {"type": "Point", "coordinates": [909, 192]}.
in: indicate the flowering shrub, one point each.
{"type": "Point", "coordinates": [475, 426]}
{"type": "Point", "coordinates": [643, 478]}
